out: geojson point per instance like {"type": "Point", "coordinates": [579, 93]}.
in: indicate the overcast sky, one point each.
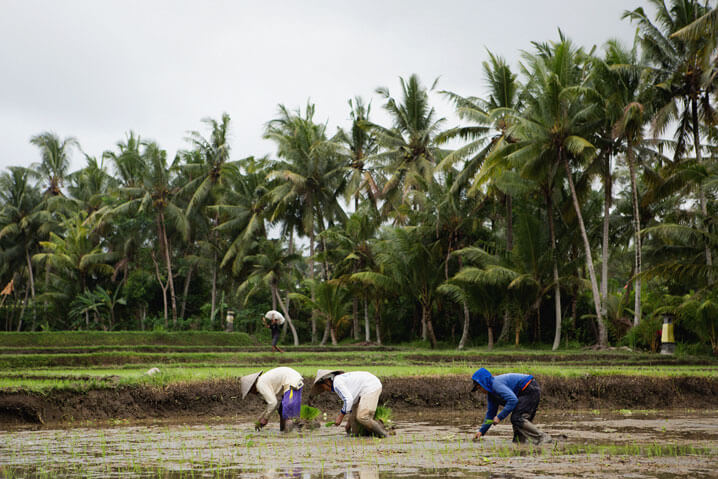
{"type": "Point", "coordinates": [96, 69]}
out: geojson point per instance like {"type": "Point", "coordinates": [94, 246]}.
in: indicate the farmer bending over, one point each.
{"type": "Point", "coordinates": [359, 392]}
{"type": "Point", "coordinates": [275, 321]}
{"type": "Point", "coordinates": [284, 381]}
{"type": "Point", "coordinates": [518, 394]}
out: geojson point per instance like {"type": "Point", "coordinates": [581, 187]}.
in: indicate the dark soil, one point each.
{"type": "Point", "coordinates": [222, 398]}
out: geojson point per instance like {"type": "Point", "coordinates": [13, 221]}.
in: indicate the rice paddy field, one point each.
{"type": "Point", "coordinates": [83, 407]}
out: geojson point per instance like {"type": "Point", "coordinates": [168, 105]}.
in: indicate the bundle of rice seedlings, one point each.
{"type": "Point", "coordinates": [308, 413]}
{"type": "Point", "coordinates": [308, 417]}
{"type": "Point", "coordinates": [383, 414]}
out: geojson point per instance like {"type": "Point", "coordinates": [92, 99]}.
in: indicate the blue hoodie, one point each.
{"type": "Point", "coordinates": [502, 389]}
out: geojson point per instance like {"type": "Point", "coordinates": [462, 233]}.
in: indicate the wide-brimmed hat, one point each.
{"type": "Point", "coordinates": [246, 382]}
{"type": "Point", "coordinates": [325, 373]}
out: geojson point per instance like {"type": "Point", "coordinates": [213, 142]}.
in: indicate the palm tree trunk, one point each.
{"type": "Point", "coordinates": [311, 276]}
{"type": "Point", "coordinates": [509, 223]}
{"type": "Point", "coordinates": [607, 201]}
{"type": "Point", "coordinates": [465, 331]}
{"type": "Point", "coordinates": [355, 318]}
{"type": "Point", "coordinates": [367, 327]}
{"type": "Point", "coordinates": [509, 247]}
{"type": "Point", "coordinates": [285, 310]}
{"type": "Point", "coordinates": [377, 320]}
{"type": "Point", "coordinates": [554, 261]}
{"type": "Point", "coordinates": [213, 309]}
{"type": "Point", "coordinates": [699, 160]}
{"type": "Point", "coordinates": [491, 334]}
{"type": "Point", "coordinates": [163, 286]}
{"type": "Point", "coordinates": [426, 319]}
{"type": "Point", "coordinates": [325, 336]}
{"type": "Point", "coordinates": [168, 262]}
{"type": "Point", "coordinates": [333, 333]}
{"type": "Point", "coordinates": [31, 280]}
{"type": "Point", "coordinates": [22, 311]}
{"type": "Point", "coordinates": [637, 236]}
{"type": "Point", "coordinates": [185, 291]}
{"type": "Point", "coordinates": [602, 332]}
{"type": "Point", "coordinates": [424, 331]}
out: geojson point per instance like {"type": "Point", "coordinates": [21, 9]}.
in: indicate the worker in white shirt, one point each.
{"type": "Point", "coordinates": [276, 320]}
{"type": "Point", "coordinates": [278, 381]}
{"type": "Point", "coordinates": [359, 392]}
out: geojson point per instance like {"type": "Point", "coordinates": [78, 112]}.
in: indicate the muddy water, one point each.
{"type": "Point", "coordinates": [428, 443]}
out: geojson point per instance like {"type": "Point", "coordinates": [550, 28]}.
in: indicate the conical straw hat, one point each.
{"type": "Point", "coordinates": [323, 373]}
{"type": "Point", "coordinates": [246, 382]}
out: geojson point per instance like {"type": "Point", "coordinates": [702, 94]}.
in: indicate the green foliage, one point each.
{"type": "Point", "coordinates": [383, 414]}
{"type": "Point", "coordinates": [309, 413]}
{"type": "Point", "coordinates": [501, 215]}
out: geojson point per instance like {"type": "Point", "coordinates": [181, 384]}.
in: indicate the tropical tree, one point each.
{"type": "Point", "coordinates": [552, 134]}
{"type": "Point", "coordinates": [270, 265]}
{"type": "Point", "coordinates": [482, 284]}
{"type": "Point", "coordinates": [676, 69]}
{"type": "Point", "coordinates": [157, 194]}
{"type": "Point", "coordinates": [332, 302]}
{"type": "Point", "coordinates": [617, 90]}
{"type": "Point", "coordinates": [208, 167]}
{"type": "Point", "coordinates": [409, 149]}
{"type": "Point", "coordinates": [22, 222]}
{"type": "Point", "coordinates": [412, 258]}
{"type": "Point", "coordinates": [361, 146]}
{"type": "Point", "coordinates": [310, 176]}
{"type": "Point", "coordinates": [55, 163]}
{"type": "Point", "coordinates": [75, 261]}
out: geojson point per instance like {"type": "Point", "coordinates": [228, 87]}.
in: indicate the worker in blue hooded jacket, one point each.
{"type": "Point", "coordinates": [519, 394]}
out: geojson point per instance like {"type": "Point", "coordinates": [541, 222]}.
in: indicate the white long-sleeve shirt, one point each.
{"type": "Point", "coordinates": [277, 381]}
{"type": "Point", "coordinates": [350, 386]}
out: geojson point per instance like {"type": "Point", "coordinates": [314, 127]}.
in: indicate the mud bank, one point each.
{"type": "Point", "coordinates": [222, 398]}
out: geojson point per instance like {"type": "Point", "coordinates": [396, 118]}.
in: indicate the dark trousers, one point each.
{"type": "Point", "coordinates": [275, 335]}
{"type": "Point", "coordinates": [526, 408]}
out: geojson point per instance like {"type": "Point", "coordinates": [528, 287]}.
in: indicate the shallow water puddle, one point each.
{"type": "Point", "coordinates": [673, 445]}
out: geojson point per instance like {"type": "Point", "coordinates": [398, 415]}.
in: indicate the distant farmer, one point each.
{"type": "Point", "coordinates": [359, 392]}
{"type": "Point", "coordinates": [276, 320]}
{"type": "Point", "coordinates": [278, 381]}
{"type": "Point", "coordinates": [518, 394]}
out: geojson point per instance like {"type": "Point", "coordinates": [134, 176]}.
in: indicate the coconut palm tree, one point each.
{"type": "Point", "coordinates": [55, 164]}
{"type": "Point", "coordinates": [617, 89]}
{"type": "Point", "coordinates": [207, 167]}
{"type": "Point", "coordinates": [156, 194]}
{"type": "Point", "coordinates": [21, 223]}
{"type": "Point", "coordinates": [482, 283]}
{"type": "Point", "coordinates": [411, 258]}
{"type": "Point", "coordinates": [552, 133]}
{"type": "Point", "coordinates": [332, 302]}
{"type": "Point", "coordinates": [75, 260]}
{"type": "Point", "coordinates": [245, 208]}
{"type": "Point", "coordinates": [269, 266]}
{"type": "Point", "coordinates": [350, 251]}
{"type": "Point", "coordinates": [309, 174]}
{"type": "Point", "coordinates": [409, 149]}
{"type": "Point", "coordinates": [676, 69]}
{"type": "Point", "coordinates": [361, 146]}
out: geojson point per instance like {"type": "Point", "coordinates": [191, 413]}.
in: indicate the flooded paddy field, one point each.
{"type": "Point", "coordinates": [666, 444]}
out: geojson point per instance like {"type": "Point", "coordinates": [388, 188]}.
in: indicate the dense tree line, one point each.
{"type": "Point", "coordinates": [575, 202]}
